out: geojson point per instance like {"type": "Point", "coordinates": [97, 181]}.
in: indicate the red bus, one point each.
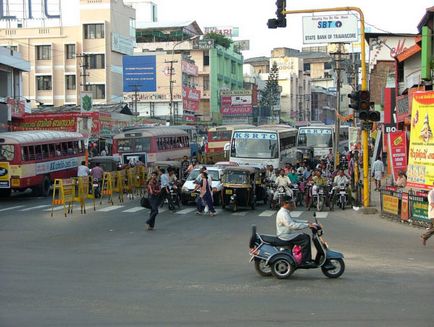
{"type": "Point", "coordinates": [151, 144]}
{"type": "Point", "coordinates": [218, 137]}
{"type": "Point", "coordinates": [33, 159]}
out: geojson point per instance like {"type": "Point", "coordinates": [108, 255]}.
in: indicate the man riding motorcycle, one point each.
{"type": "Point", "coordinates": [340, 180]}
{"type": "Point", "coordinates": [282, 181]}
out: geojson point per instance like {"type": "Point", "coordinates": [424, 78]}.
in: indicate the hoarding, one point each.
{"type": "Point", "coordinates": [190, 99]}
{"type": "Point", "coordinates": [140, 73]}
{"type": "Point", "coordinates": [330, 29]}
{"type": "Point", "coordinates": [420, 171]}
{"type": "Point", "coordinates": [236, 103]}
{"type": "Point", "coordinates": [189, 68]}
{"type": "Point", "coordinates": [397, 151]}
{"type": "Point", "coordinates": [122, 44]}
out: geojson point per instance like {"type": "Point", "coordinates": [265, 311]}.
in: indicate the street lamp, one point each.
{"type": "Point", "coordinates": [171, 81]}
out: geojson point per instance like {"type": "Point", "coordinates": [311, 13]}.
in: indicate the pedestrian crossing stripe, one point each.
{"type": "Point", "coordinates": [110, 208]}
{"type": "Point", "coordinates": [54, 209]}
{"type": "Point", "coordinates": [241, 213]}
{"type": "Point", "coordinates": [11, 208]}
{"type": "Point", "coordinates": [321, 215]}
{"type": "Point", "coordinates": [36, 207]}
{"type": "Point", "coordinates": [267, 213]}
{"type": "Point", "coordinates": [185, 211]}
{"type": "Point", "coordinates": [134, 209]}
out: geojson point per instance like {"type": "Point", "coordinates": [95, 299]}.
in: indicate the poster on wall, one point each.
{"type": "Point", "coordinates": [420, 173]}
{"type": "Point", "coordinates": [397, 145]}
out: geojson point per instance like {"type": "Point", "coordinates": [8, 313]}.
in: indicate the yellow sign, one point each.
{"type": "Point", "coordinates": [4, 175]}
{"type": "Point", "coordinates": [390, 204]}
{"type": "Point", "coordinates": [421, 153]}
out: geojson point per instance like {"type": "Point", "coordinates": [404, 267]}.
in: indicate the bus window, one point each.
{"type": "Point", "coordinates": [24, 153]}
{"type": "Point", "coordinates": [143, 144]}
{"type": "Point", "coordinates": [45, 151]}
{"type": "Point", "coordinates": [52, 150]}
{"type": "Point", "coordinates": [31, 152]}
{"type": "Point", "coordinates": [81, 146]}
{"type": "Point", "coordinates": [38, 152]}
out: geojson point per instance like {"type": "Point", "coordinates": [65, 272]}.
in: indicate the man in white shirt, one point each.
{"type": "Point", "coordinates": [83, 170]}
{"type": "Point", "coordinates": [340, 180]}
{"type": "Point", "coordinates": [289, 229]}
{"type": "Point", "coordinates": [282, 181]}
{"type": "Point", "coordinates": [430, 231]}
{"type": "Point", "coordinates": [378, 173]}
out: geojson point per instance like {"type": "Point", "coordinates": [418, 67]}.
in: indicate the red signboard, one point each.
{"type": "Point", "coordinates": [190, 99]}
{"type": "Point", "coordinates": [234, 106]}
{"type": "Point", "coordinates": [189, 68]}
{"type": "Point", "coordinates": [397, 150]}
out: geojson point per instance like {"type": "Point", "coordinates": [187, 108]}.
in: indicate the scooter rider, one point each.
{"type": "Point", "coordinates": [289, 229]}
{"type": "Point", "coordinates": [283, 181]}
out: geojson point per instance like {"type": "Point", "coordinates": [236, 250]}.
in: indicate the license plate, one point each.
{"type": "Point", "coordinates": [343, 193]}
{"type": "Point", "coordinates": [15, 182]}
{"type": "Point", "coordinates": [193, 195]}
{"type": "Point", "coordinates": [229, 192]}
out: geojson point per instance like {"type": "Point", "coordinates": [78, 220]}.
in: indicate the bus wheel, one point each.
{"type": "Point", "coordinates": [5, 192]}
{"type": "Point", "coordinates": [44, 188]}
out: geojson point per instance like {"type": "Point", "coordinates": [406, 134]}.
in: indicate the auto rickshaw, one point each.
{"type": "Point", "coordinates": [239, 187]}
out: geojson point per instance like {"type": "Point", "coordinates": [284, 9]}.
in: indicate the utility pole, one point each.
{"type": "Point", "coordinates": [171, 82]}
{"type": "Point", "coordinates": [84, 73]}
{"type": "Point", "coordinates": [136, 90]}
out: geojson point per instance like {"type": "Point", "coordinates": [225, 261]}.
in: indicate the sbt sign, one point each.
{"type": "Point", "coordinates": [29, 9]}
{"type": "Point", "coordinates": [330, 29]}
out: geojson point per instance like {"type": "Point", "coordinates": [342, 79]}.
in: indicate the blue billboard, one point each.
{"type": "Point", "coordinates": [140, 73]}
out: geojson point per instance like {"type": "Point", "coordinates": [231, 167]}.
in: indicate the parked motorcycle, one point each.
{"type": "Point", "coordinates": [96, 183]}
{"type": "Point", "coordinates": [273, 256]}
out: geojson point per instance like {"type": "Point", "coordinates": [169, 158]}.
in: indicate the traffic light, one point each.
{"type": "Point", "coordinates": [364, 105]}
{"type": "Point", "coordinates": [280, 21]}
{"type": "Point", "coordinates": [354, 100]}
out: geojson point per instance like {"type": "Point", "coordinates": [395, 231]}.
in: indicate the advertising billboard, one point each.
{"type": "Point", "coordinates": [140, 73]}
{"type": "Point", "coordinates": [330, 29]}
{"type": "Point", "coordinates": [420, 172]}
{"type": "Point", "coordinates": [397, 151]}
{"type": "Point", "coordinates": [190, 99]}
{"type": "Point", "coordinates": [236, 103]}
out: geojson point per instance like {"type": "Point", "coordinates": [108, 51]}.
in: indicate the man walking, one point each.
{"type": "Point", "coordinates": [154, 190]}
{"type": "Point", "coordinates": [378, 172]}
{"type": "Point", "coordinates": [430, 231]}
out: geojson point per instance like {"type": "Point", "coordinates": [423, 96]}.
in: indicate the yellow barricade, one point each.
{"type": "Point", "coordinates": [81, 191]}
{"type": "Point", "coordinates": [119, 184]}
{"type": "Point", "coordinates": [91, 192]}
{"type": "Point", "coordinates": [140, 180]}
{"type": "Point", "coordinates": [107, 187]}
{"type": "Point", "coordinates": [131, 182]}
{"type": "Point", "coordinates": [63, 194]}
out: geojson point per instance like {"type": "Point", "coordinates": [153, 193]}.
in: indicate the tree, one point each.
{"type": "Point", "coordinates": [219, 39]}
{"type": "Point", "coordinates": [270, 96]}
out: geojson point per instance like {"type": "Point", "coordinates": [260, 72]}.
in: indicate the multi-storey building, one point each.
{"type": "Point", "coordinates": [84, 54]}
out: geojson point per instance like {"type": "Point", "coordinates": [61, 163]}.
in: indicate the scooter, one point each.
{"type": "Point", "coordinates": [275, 257]}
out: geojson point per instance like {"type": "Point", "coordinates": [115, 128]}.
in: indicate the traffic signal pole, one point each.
{"type": "Point", "coordinates": [364, 87]}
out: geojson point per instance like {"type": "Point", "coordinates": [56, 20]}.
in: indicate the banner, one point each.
{"type": "Point", "coordinates": [190, 99]}
{"type": "Point", "coordinates": [420, 173]}
{"type": "Point", "coordinates": [397, 151]}
{"type": "Point", "coordinates": [404, 206]}
{"type": "Point", "coordinates": [236, 103]}
{"type": "Point", "coordinates": [390, 204]}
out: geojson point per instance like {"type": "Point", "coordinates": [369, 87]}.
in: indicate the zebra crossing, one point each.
{"type": "Point", "coordinates": [132, 208]}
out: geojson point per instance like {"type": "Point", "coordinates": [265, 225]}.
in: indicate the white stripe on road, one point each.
{"type": "Point", "coordinates": [135, 209]}
{"type": "Point", "coordinates": [241, 213]}
{"type": "Point", "coordinates": [36, 207]}
{"type": "Point", "coordinates": [56, 208]}
{"type": "Point", "coordinates": [110, 208]}
{"type": "Point", "coordinates": [296, 214]}
{"type": "Point", "coordinates": [11, 208]}
{"type": "Point", "coordinates": [267, 213]}
{"type": "Point", "coordinates": [322, 215]}
{"type": "Point", "coordinates": [185, 211]}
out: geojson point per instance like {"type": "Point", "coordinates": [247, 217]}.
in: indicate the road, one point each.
{"type": "Point", "coordinates": [104, 269]}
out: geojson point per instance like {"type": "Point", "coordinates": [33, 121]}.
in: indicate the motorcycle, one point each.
{"type": "Point", "coordinates": [318, 199]}
{"type": "Point", "coordinates": [96, 183]}
{"type": "Point", "coordinates": [342, 198]}
{"type": "Point", "coordinates": [296, 194]}
{"type": "Point", "coordinates": [173, 197]}
{"type": "Point", "coordinates": [275, 257]}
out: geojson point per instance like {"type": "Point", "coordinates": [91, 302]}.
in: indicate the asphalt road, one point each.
{"type": "Point", "coordinates": [104, 269]}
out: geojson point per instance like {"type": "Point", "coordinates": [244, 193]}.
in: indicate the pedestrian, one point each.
{"type": "Point", "coordinates": [401, 181]}
{"type": "Point", "coordinates": [83, 170]}
{"type": "Point", "coordinates": [154, 191]}
{"type": "Point", "coordinates": [378, 172]}
{"type": "Point", "coordinates": [430, 231]}
{"type": "Point", "coordinates": [205, 197]}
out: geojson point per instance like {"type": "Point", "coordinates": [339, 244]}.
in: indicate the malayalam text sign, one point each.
{"type": "Point", "coordinates": [420, 171]}
{"type": "Point", "coordinates": [140, 73]}
{"type": "Point", "coordinates": [329, 29]}
{"type": "Point", "coordinates": [390, 204]}
{"type": "Point", "coordinates": [397, 145]}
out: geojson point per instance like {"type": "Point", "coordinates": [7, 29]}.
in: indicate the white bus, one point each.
{"type": "Point", "coordinates": [264, 145]}
{"type": "Point", "coordinates": [318, 137]}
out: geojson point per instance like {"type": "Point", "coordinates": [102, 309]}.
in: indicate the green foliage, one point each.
{"type": "Point", "coordinates": [271, 93]}
{"type": "Point", "coordinates": [219, 39]}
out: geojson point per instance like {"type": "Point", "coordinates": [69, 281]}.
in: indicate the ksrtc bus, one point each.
{"type": "Point", "coordinates": [218, 137]}
{"type": "Point", "coordinates": [151, 144]}
{"type": "Point", "coordinates": [318, 137]}
{"type": "Point", "coordinates": [264, 145]}
{"type": "Point", "coordinates": [33, 159]}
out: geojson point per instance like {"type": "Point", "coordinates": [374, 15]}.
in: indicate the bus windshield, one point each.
{"type": "Point", "coordinates": [315, 137]}
{"type": "Point", "coordinates": [261, 145]}
{"type": "Point", "coordinates": [141, 144]}
{"type": "Point", "coordinates": [7, 152]}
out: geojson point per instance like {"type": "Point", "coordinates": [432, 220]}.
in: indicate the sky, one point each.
{"type": "Point", "coordinates": [251, 16]}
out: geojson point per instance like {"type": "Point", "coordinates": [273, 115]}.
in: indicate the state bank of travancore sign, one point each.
{"type": "Point", "coordinates": [330, 29]}
{"type": "Point", "coordinates": [29, 9]}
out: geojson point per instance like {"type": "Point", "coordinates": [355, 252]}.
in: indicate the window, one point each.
{"type": "Point", "coordinates": [70, 82]}
{"type": "Point", "coordinates": [43, 52]}
{"type": "Point", "coordinates": [70, 51]}
{"type": "Point", "coordinates": [95, 61]}
{"type": "Point", "coordinates": [306, 67]}
{"type": "Point", "coordinates": [233, 67]}
{"type": "Point", "coordinates": [327, 65]}
{"type": "Point", "coordinates": [206, 83]}
{"type": "Point", "coordinates": [93, 31]}
{"type": "Point", "coordinates": [206, 59]}
{"type": "Point", "coordinates": [98, 90]}
{"type": "Point", "coordinates": [133, 28]}
{"type": "Point", "coordinates": [43, 83]}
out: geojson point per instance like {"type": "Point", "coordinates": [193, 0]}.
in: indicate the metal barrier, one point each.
{"type": "Point", "coordinates": [130, 186]}
{"type": "Point", "coordinates": [63, 194]}
{"type": "Point", "coordinates": [141, 178]}
{"type": "Point", "coordinates": [107, 187]}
